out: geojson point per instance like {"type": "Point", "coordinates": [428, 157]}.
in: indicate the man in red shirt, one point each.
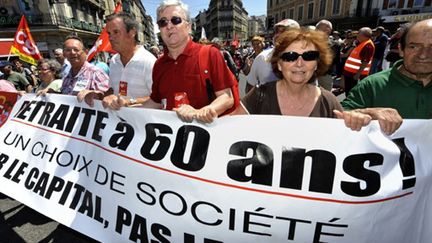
{"type": "Point", "coordinates": [359, 62]}
{"type": "Point", "coordinates": [177, 73]}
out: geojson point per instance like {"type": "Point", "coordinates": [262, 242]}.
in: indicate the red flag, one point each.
{"type": "Point", "coordinates": [24, 45]}
{"type": "Point", "coordinates": [235, 42]}
{"type": "Point", "coordinates": [103, 43]}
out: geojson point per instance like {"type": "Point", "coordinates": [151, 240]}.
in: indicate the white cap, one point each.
{"type": "Point", "coordinates": [289, 23]}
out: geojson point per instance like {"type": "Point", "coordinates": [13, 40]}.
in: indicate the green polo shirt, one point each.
{"type": "Point", "coordinates": [19, 81]}
{"type": "Point", "coordinates": [391, 89]}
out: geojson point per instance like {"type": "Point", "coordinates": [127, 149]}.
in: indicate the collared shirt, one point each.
{"type": "Point", "coordinates": [391, 89]}
{"type": "Point", "coordinates": [89, 77]}
{"type": "Point", "coordinates": [137, 73]}
{"type": "Point", "coordinates": [183, 75]}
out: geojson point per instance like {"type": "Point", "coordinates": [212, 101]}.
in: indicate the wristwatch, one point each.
{"type": "Point", "coordinates": [132, 101]}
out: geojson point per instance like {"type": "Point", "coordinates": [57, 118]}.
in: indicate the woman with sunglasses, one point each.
{"type": "Point", "coordinates": [299, 57]}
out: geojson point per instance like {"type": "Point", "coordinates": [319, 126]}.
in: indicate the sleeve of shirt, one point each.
{"type": "Point", "coordinates": [334, 103]}
{"type": "Point", "coordinates": [27, 71]}
{"type": "Point", "coordinates": [250, 101]}
{"type": "Point", "coordinates": [359, 97]}
{"type": "Point", "coordinates": [367, 53]}
{"type": "Point", "coordinates": [252, 77]}
{"type": "Point", "coordinates": [155, 95]}
{"type": "Point", "coordinates": [220, 74]}
{"type": "Point", "coordinates": [149, 70]}
{"type": "Point", "coordinates": [23, 80]}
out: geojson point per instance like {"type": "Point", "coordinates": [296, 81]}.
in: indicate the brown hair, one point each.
{"type": "Point", "coordinates": [317, 38]}
{"type": "Point", "coordinates": [258, 38]}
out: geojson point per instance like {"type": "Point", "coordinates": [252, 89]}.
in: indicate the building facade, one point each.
{"type": "Point", "coordinates": [224, 19]}
{"type": "Point", "coordinates": [256, 26]}
{"type": "Point", "coordinates": [348, 14]}
{"type": "Point", "coordinates": [137, 10]}
{"type": "Point", "coordinates": [51, 21]}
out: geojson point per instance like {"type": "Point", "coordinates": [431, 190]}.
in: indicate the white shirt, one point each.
{"type": "Point", "coordinates": [137, 73]}
{"type": "Point", "coordinates": [261, 71]}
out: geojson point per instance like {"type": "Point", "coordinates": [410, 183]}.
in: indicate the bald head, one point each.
{"type": "Point", "coordinates": [324, 26]}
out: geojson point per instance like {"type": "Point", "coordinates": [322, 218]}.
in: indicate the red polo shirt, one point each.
{"type": "Point", "coordinates": [183, 75]}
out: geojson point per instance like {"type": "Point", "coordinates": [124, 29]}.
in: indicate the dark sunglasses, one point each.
{"type": "Point", "coordinates": [292, 56]}
{"type": "Point", "coordinates": [163, 22]}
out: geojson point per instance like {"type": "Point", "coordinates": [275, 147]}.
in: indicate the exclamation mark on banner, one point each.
{"type": "Point", "coordinates": [407, 164]}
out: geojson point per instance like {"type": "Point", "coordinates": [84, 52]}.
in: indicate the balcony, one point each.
{"type": "Point", "coordinates": [42, 20]}
{"type": "Point", "coordinates": [33, 20]}
{"type": "Point", "coordinates": [77, 24]}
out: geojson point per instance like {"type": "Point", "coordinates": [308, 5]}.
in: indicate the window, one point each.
{"type": "Point", "coordinates": [336, 6]}
{"type": "Point", "coordinates": [291, 13]}
{"type": "Point", "coordinates": [300, 13]}
{"type": "Point", "coordinates": [283, 15]}
{"type": "Point", "coordinates": [418, 3]}
{"type": "Point", "coordinates": [322, 8]}
{"type": "Point", "coordinates": [392, 3]}
{"type": "Point", "coordinates": [310, 10]}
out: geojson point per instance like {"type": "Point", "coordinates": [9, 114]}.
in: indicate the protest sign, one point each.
{"type": "Point", "coordinates": [144, 175]}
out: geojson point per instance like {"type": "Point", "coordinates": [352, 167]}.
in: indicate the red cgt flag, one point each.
{"type": "Point", "coordinates": [24, 45]}
{"type": "Point", "coordinates": [103, 43]}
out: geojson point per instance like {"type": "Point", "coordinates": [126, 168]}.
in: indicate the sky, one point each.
{"type": "Point", "coordinates": [253, 7]}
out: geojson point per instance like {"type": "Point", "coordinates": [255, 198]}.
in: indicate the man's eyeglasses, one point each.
{"type": "Point", "coordinates": [292, 56]}
{"type": "Point", "coordinates": [72, 49]}
{"type": "Point", "coordinates": [163, 22]}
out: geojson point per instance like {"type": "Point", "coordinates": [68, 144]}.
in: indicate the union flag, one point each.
{"type": "Point", "coordinates": [24, 45]}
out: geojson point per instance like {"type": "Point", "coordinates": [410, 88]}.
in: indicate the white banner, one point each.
{"type": "Point", "coordinates": [144, 175]}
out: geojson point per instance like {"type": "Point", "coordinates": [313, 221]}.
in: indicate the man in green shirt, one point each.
{"type": "Point", "coordinates": [17, 79]}
{"type": "Point", "coordinates": [405, 90]}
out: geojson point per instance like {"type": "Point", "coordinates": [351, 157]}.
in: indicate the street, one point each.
{"type": "Point", "coordinates": [19, 223]}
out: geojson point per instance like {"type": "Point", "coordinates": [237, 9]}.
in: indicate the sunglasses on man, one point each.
{"type": "Point", "coordinates": [163, 22]}
{"type": "Point", "coordinates": [292, 56]}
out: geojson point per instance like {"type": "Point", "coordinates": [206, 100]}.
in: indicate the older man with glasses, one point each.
{"type": "Point", "coordinates": [82, 74]}
{"type": "Point", "coordinates": [177, 84]}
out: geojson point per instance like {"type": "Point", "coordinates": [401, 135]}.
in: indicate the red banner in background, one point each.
{"type": "Point", "coordinates": [7, 101]}
{"type": "Point", "coordinates": [24, 45]}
